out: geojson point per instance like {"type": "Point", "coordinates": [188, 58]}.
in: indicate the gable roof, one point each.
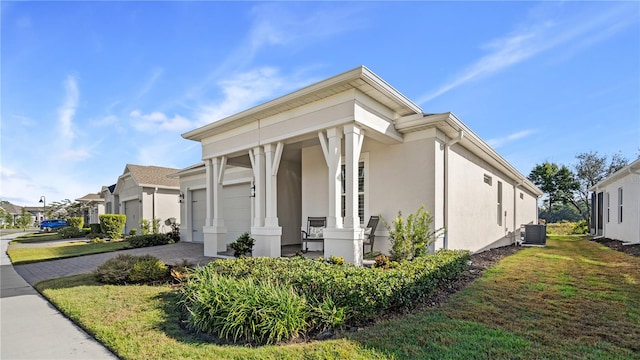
{"type": "Point", "coordinates": [90, 197]}
{"type": "Point", "coordinates": [10, 208]}
{"type": "Point", "coordinates": [151, 176]}
{"type": "Point", "coordinates": [633, 168]}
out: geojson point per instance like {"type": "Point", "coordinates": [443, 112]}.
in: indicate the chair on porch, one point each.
{"type": "Point", "coordinates": [369, 232]}
{"type": "Point", "coordinates": [315, 227]}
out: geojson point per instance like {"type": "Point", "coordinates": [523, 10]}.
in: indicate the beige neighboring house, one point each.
{"type": "Point", "coordinates": [347, 148]}
{"type": "Point", "coordinates": [37, 213]}
{"type": "Point", "coordinates": [615, 210]}
{"type": "Point", "coordinates": [146, 192]}
{"type": "Point", "coordinates": [111, 201]}
{"type": "Point", "coordinates": [93, 207]}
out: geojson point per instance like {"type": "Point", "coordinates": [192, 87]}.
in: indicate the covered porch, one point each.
{"type": "Point", "coordinates": [304, 151]}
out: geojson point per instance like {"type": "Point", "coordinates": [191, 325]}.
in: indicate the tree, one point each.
{"type": "Point", "coordinates": [558, 182]}
{"type": "Point", "coordinates": [6, 218]}
{"type": "Point", "coordinates": [24, 219]}
{"type": "Point", "coordinates": [592, 168]}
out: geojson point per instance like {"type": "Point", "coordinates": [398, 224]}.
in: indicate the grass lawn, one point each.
{"type": "Point", "coordinates": [572, 299]}
{"type": "Point", "coordinates": [35, 238]}
{"type": "Point", "coordinates": [23, 255]}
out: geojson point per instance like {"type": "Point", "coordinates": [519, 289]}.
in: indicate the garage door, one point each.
{"type": "Point", "coordinates": [237, 210]}
{"type": "Point", "coordinates": [132, 211]}
{"type": "Point", "coordinates": [199, 214]}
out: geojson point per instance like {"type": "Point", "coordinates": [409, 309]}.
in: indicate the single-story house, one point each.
{"type": "Point", "coordinates": [347, 148]}
{"type": "Point", "coordinates": [92, 208]}
{"type": "Point", "coordinates": [146, 192]}
{"type": "Point", "coordinates": [615, 205]}
{"type": "Point", "coordinates": [36, 213]}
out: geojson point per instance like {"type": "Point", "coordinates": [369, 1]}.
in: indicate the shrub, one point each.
{"type": "Point", "coordinates": [340, 294]}
{"type": "Point", "coordinates": [175, 232]}
{"type": "Point", "coordinates": [76, 222]}
{"type": "Point", "coordinates": [113, 225]}
{"type": "Point", "coordinates": [133, 232]}
{"type": "Point", "coordinates": [69, 232]}
{"type": "Point", "coordinates": [118, 269]}
{"type": "Point", "coordinates": [382, 262]}
{"type": "Point", "coordinates": [148, 271]}
{"type": "Point", "coordinates": [243, 245]}
{"type": "Point", "coordinates": [413, 237]}
{"type": "Point", "coordinates": [336, 260]}
{"type": "Point", "coordinates": [95, 228]}
{"type": "Point", "coordinates": [149, 240]}
{"type": "Point", "coordinates": [244, 309]}
{"type": "Point", "coordinates": [580, 228]}
{"type": "Point", "coordinates": [97, 240]}
{"type": "Point", "coordinates": [145, 226]}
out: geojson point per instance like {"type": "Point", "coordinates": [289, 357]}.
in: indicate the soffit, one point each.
{"type": "Point", "coordinates": [360, 78]}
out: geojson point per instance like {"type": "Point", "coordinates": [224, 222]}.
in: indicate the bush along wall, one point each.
{"type": "Point", "coordinates": [76, 222]}
{"type": "Point", "coordinates": [334, 295]}
{"type": "Point", "coordinates": [112, 225]}
{"type": "Point", "coordinates": [149, 240]}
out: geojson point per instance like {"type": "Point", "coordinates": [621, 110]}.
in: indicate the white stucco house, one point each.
{"type": "Point", "coordinates": [615, 210]}
{"type": "Point", "coordinates": [145, 192]}
{"type": "Point", "coordinates": [93, 207]}
{"type": "Point", "coordinates": [347, 148]}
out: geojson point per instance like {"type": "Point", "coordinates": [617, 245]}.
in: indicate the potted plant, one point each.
{"type": "Point", "coordinates": [243, 245]}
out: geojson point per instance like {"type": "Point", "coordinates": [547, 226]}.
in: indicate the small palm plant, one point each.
{"type": "Point", "coordinates": [243, 245]}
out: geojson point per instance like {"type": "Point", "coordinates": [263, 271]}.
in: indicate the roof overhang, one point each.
{"type": "Point", "coordinates": [360, 78]}
{"type": "Point", "coordinates": [633, 168]}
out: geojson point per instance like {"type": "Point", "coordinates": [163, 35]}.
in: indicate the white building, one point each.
{"type": "Point", "coordinates": [615, 210]}
{"type": "Point", "coordinates": [348, 147]}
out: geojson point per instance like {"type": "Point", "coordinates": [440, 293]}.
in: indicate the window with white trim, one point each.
{"type": "Point", "coordinates": [361, 190]}
{"type": "Point", "coordinates": [499, 203]}
{"type": "Point", "coordinates": [619, 205]}
{"type": "Point", "coordinates": [608, 207]}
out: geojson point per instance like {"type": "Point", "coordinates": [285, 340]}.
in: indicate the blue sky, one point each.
{"type": "Point", "coordinates": [87, 87]}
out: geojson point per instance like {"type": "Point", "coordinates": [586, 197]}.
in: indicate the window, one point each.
{"type": "Point", "coordinates": [361, 188]}
{"type": "Point", "coordinates": [487, 179]}
{"type": "Point", "coordinates": [522, 196]}
{"type": "Point", "coordinates": [619, 205]}
{"type": "Point", "coordinates": [499, 203]}
{"type": "Point", "coordinates": [608, 207]}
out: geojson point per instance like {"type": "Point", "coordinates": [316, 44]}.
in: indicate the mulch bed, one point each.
{"type": "Point", "coordinates": [617, 245]}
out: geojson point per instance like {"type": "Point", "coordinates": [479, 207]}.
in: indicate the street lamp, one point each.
{"type": "Point", "coordinates": [43, 200]}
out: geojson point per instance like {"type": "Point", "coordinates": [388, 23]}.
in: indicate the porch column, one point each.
{"type": "Point", "coordinates": [215, 233]}
{"type": "Point", "coordinates": [347, 241]}
{"type": "Point", "coordinates": [265, 162]}
{"type": "Point", "coordinates": [332, 149]}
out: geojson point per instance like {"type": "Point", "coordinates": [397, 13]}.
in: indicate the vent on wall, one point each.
{"type": "Point", "coordinates": [487, 179]}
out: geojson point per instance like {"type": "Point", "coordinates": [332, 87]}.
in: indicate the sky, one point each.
{"type": "Point", "coordinates": [88, 87]}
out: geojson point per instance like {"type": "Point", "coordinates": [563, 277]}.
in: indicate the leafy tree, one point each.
{"type": "Point", "coordinates": [24, 219]}
{"type": "Point", "coordinates": [6, 218]}
{"type": "Point", "coordinates": [592, 168]}
{"type": "Point", "coordinates": [558, 182]}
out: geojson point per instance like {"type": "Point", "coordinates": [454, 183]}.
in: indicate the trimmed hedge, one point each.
{"type": "Point", "coordinates": [113, 225]}
{"type": "Point", "coordinates": [76, 222]}
{"type": "Point", "coordinates": [126, 268]}
{"type": "Point", "coordinates": [357, 294]}
{"type": "Point", "coordinates": [149, 240]}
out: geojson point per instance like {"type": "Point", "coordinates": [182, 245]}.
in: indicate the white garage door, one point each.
{"type": "Point", "coordinates": [199, 214]}
{"type": "Point", "coordinates": [237, 210]}
{"type": "Point", "coordinates": [132, 211]}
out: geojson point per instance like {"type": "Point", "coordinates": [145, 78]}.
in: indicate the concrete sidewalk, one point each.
{"type": "Point", "coordinates": [31, 328]}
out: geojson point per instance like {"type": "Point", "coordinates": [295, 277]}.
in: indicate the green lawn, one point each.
{"type": "Point", "coordinates": [572, 299]}
{"type": "Point", "coordinates": [35, 238]}
{"type": "Point", "coordinates": [23, 255]}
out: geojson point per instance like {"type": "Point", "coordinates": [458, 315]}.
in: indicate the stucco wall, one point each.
{"type": "Point", "coordinates": [629, 229]}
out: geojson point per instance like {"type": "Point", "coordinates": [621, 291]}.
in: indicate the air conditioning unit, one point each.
{"type": "Point", "coordinates": [533, 235]}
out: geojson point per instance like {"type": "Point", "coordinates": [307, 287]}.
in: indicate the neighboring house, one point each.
{"type": "Point", "coordinates": [111, 201]}
{"type": "Point", "coordinates": [615, 205]}
{"type": "Point", "coordinates": [146, 192]}
{"type": "Point", "coordinates": [349, 147]}
{"type": "Point", "coordinates": [93, 207]}
{"type": "Point", "coordinates": [37, 213]}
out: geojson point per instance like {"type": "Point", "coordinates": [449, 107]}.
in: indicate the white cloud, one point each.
{"type": "Point", "coordinates": [244, 90]}
{"type": "Point", "coordinates": [159, 121]}
{"type": "Point", "coordinates": [529, 40]}
{"type": "Point", "coordinates": [75, 155]}
{"type": "Point", "coordinates": [498, 142]}
{"type": "Point", "coordinates": [67, 110]}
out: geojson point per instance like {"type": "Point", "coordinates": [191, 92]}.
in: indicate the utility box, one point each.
{"type": "Point", "coordinates": [534, 234]}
